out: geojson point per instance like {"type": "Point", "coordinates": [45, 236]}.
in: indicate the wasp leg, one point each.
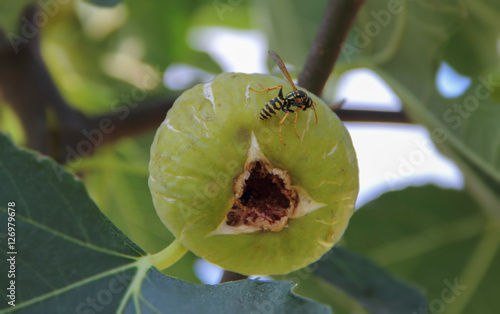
{"type": "Point", "coordinates": [280, 127]}
{"type": "Point", "coordinates": [294, 122]}
{"type": "Point", "coordinates": [265, 89]}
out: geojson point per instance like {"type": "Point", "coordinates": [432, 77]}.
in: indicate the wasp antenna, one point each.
{"type": "Point", "coordinates": [282, 67]}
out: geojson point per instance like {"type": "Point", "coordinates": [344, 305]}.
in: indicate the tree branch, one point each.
{"type": "Point", "coordinates": [110, 127]}
{"type": "Point", "coordinates": [335, 26]}
{"type": "Point", "coordinates": [146, 117]}
{"type": "Point", "coordinates": [349, 115]}
{"type": "Point", "coordinates": [19, 74]}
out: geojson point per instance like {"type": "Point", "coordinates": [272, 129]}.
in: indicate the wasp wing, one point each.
{"type": "Point", "coordinates": [282, 67]}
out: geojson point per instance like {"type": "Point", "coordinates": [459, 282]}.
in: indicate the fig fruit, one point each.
{"type": "Point", "coordinates": [230, 192]}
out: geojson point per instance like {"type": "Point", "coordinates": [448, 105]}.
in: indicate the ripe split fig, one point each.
{"type": "Point", "coordinates": [226, 187]}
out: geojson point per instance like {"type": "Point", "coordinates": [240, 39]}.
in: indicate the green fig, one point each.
{"type": "Point", "coordinates": [224, 184]}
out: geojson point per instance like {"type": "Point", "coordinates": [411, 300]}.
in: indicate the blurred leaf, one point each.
{"type": "Point", "coordinates": [380, 34]}
{"type": "Point", "coordinates": [72, 259]}
{"type": "Point", "coordinates": [404, 45]}
{"type": "Point", "coordinates": [10, 13]}
{"type": "Point", "coordinates": [342, 274]}
{"type": "Point", "coordinates": [162, 26]}
{"type": "Point", "coordinates": [436, 239]}
{"type": "Point", "coordinates": [220, 13]}
{"type": "Point", "coordinates": [469, 53]}
{"type": "Point", "coordinates": [485, 189]}
{"type": "Point", "coordinates": [311, 286]}
{"type": "Point", "coordinates": [9, 122]}
{"type": "Point", "coordinates": [117, 179]}
{"type": "Point", "coordinates": [104, 58]}
{"type": "Point", "coordinates": [291, 27]}
{"type": "Point", "coordinates": [368, 284]}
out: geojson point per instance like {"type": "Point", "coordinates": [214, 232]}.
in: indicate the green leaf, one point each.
{"type": "Point", "coordinates": [70, 258]}
{"type": "Point", "coordinates": [376, 290]}
{"type": "Point", "coordinates": [65, 247]}
{"type": "Point", "coordinates": [436, 239]}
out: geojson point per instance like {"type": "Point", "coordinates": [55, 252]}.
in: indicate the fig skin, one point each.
{"type": "Point", "coordinates": [201, 148]}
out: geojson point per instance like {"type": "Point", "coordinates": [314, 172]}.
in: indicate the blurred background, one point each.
{"type": "Point", "coordinates": [114, 59]}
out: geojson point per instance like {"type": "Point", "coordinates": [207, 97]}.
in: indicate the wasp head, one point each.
{"type": "Point", "coordinates": [302, 100]}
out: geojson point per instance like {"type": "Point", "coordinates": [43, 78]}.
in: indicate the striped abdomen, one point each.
{"type": "Point", "coordinates": [270, 109]}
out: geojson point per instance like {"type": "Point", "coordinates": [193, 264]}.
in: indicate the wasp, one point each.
{"type": "Point", "coordinates": [294, 101]}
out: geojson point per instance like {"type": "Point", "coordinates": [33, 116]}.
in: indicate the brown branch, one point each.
{"type": "Point", "coordinates": [349, 115]}
{"type": "Point", "coordinates": [146, 117]}
{"type": "Point", "coordinates": [107, 128]}
{"type": "Point", "coordinates": [19, 62]}
{"type": "Point", "coordinates": [335, 26]}
{"type": "Point", "coordinates": [29, 88]}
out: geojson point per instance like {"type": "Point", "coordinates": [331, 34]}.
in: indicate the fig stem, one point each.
{"type": "Point", "coordinates": [169, 255]}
